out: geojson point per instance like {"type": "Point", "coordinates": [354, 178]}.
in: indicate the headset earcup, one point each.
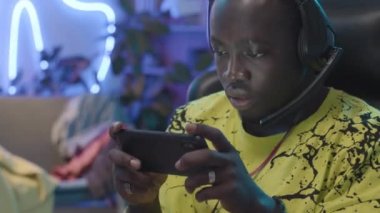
{"type": "Point", "coordinates": [316, 36]}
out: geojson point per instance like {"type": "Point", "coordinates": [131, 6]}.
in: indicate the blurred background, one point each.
{"type": "Point", "coordinates": [71, 47]}
{"type": "Point", "coordinates": [68, 68]}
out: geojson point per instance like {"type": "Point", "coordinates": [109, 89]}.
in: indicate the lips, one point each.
{"type": "Point", "coordinates": [240, 103]}
{"type": "Point", "coordinates": [239, 97]}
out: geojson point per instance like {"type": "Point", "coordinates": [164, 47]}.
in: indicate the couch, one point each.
{"type": "Point", "coordinates": [25, 129]}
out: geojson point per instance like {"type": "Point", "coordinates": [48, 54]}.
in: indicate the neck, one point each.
{"type": "Point", "coordinates": [309, 106]}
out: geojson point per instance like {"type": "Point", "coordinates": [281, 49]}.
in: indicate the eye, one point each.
{"type": "Point", "coordinates": [219, 52]}
{"type": "Point", "coordinates": [253, 54]}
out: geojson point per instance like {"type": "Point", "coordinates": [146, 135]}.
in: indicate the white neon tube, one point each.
{"type": "Point", "coordinates": [93, 6]}
{"type": "Point", "coordinates": [15, 25]}
{"type": "Point", "coordinates": [111, 28]}
{"type": "Point", "coordinates": [28, 6]}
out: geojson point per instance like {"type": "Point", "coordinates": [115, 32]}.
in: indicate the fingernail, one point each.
{"type": "Point", "coordinates": [178, 165]}
{"type": "Point", "coordinates": [135, 163]}
{"type": "Point", "coordinates": [190, 190]}
{"type": "Point", "coordinates": [116, 124]}
{"type": "Point", "coordinates": [190, 127]}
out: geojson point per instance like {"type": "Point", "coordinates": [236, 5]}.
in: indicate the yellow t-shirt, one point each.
{"type": "Point", "coordinates": [329, 162]}
{"type": "Point", "coordinates": [24, 187]}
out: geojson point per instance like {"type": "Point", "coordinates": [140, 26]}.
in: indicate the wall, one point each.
{"type": "Point", "coordinates": [80, 33]}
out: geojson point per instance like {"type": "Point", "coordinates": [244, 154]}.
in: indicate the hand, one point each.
{"type": "Point", "coordinates": [99, 178]}
{"type": "Point", "coordinates": [137, 188]}
{"type": "Point", "coordinates": [233, 186]}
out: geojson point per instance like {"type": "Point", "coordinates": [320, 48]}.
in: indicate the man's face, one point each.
{"type": "Point", "coordinates": [255, 47]}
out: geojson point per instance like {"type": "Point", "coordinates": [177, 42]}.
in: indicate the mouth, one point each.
{"type": "Point", "coordinates": [240, 103]}
{"type": "Point", "coordinates": [239, 96]}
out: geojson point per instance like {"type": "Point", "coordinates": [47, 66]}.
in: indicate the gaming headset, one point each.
{"type": "Point", "coordinates": [316, 50]}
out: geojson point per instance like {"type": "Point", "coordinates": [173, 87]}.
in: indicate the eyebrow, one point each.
{"type": "Point", "coordinates": [215, 41]}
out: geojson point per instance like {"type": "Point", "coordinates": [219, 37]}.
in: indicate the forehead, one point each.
{"type": "Point", "coordinates": [249, 19]}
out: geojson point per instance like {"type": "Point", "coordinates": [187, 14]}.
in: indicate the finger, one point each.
{"type": "Point", "coordinates": [115, 128]}
{"type": "Point", "coordinates": [135, 188]}
{"type": "Point", "coordinates": [200, 160]}
{"type": "Point", "coordinates": [158, 179]}
{"type": "Point", "coordinates": [123, 159]}
{"type": "Point", "coordinates": [217, 138]}
{"type": "Point", "coordinates": [212, 193]}
{"type": "Point", "coordinates": [195, 181]}
{"type": "Point", "coordinates": [95, 186]}
{"type": "Point", "coordinates": [133, 177]}
{"type": "Point", "coordinates": [204, 178]}
{"type": "Point", "coordinates": [126, 189]}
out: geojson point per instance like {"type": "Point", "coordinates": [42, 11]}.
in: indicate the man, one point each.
{"type": "Point", "coordinates": [321, 156]}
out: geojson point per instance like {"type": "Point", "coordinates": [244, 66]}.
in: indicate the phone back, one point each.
{"type": "Point", "coordinates": [159, 151]}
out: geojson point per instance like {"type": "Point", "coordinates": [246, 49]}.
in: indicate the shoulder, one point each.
{"type": "Point", "coordinates": [345, 109]}
{"type": "Point", "coordinates": [201, 111]}
{"type": "Point", "coordinates": [345, 124]}
{"type": "Point", "coordinates": [355, 136]}
{"type": "Point", "coordinates": [359, 125]}
{"type": "Point", "coordinates": [353, 110]}
{"type": "Point", "coordinates": [342, 123]}
{"type": "Point", "coordinates": [209, 103]}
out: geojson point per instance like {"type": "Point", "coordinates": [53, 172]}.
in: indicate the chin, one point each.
{"type": "Point", "coordinates": [250, 117]}
{"type": "Point", "coordinates": [254, 114]}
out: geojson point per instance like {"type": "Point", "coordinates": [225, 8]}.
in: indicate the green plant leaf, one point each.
{"type": "Point", "coordinates": [137, 42]}
{"type": "Point", "coordinates": [118, 64]}
{"type": "Point", "coordinates": [154, 25]}
{"type": "Point", "coordinates": [127, 6]}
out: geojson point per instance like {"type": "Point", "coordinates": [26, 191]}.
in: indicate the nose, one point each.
{"type": "Point", "coordinates": [236, 70]}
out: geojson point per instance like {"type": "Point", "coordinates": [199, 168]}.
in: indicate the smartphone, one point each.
{"type": "Point", "coordinates": [159, 151]}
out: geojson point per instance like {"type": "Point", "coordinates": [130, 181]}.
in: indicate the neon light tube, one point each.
{"type": "Point", "coordinates": [111, 28]}
{"type": "Point", "coordinates": [15, 25]}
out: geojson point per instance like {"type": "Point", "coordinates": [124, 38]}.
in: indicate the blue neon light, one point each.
{"type": "Point", "coordinates": [15, 23]}
{"type": "Point", "coordinates": [95, 89]}
{"type": "Point", "coordinates": [111, 28]}
{"type": "Point", "coordinates": [28, 6]}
